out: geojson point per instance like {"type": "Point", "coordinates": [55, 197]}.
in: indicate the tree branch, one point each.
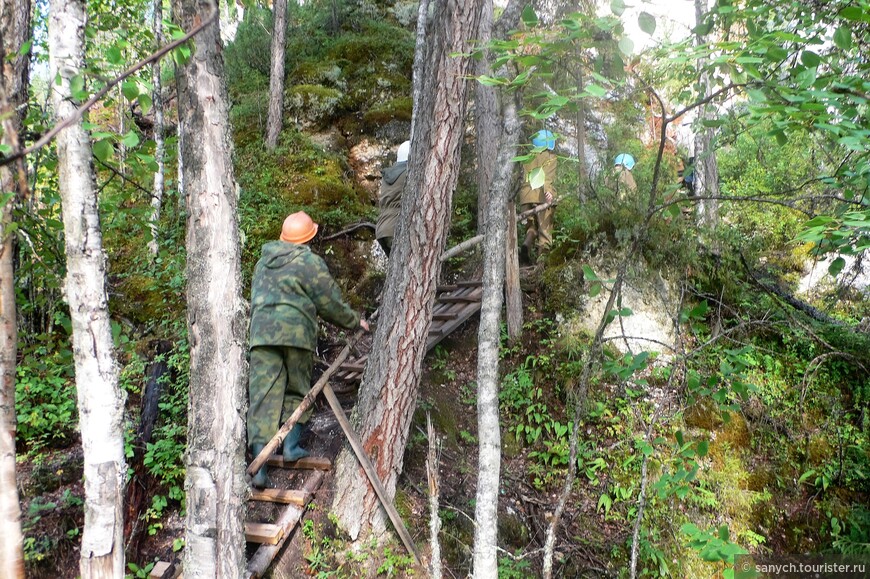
{"type": "Point", "coordinates": [77, 115]}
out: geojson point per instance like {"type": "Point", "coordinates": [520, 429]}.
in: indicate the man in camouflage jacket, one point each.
{"type": "Point", "coordinates": [291, 287]}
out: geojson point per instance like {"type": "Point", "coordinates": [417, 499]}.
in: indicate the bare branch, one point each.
{"type": "Point", "coordinates": [74, 118]}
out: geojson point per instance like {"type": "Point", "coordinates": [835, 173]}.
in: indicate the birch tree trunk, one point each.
{"type": "Point", "coordinates": [486, 121]}
{"type": "Point", "coordinates": [14, 30]}
{"type": "Point", "coordinates": [276, 78]}
{"type": "Point", "coordinates": [216, 313]}
{"type": "Point", "coordinates": [388, 394]}
{"type": "Point", "coordinates": [159, 141]}
{"type": "Point", "coordinates": [485, 562]}
{"type": "Point", "coordinates": [100, 401]}
{"type": "Point", "coordinates": [489, 125]}
{"type": "Point", "coordinates": [706, 169]}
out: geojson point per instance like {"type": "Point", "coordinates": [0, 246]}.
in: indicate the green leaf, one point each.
{"type": "Point", "coordinates": [617, 7]}
{"type": "Point", "coordinates": [843, 38]}
{"type": "Point", "coordinates": [537, 177]}
{"type": "Point", "coordinates": [852, 13]}
{"type": "Point", "coordinates": [836, 266]}
{"type": "Point", "coordinates": [145, 103]}
{"type": "Point", "coordinates": [25, 48]}
{"type": "Point", "coordinates": [490, 80]}
{"type": "Point", "coordinates": [103, 150]}
{"type": "Point", "coordinates": [589, 274]}
{"type": "Point", "coordinates": [77, 86]}
{"type": "Point", "coordinates": [776, 53]}
{"type": "Point", "coordinates": [594, 289]}
{"type": "Point", "coordinates": [130, 90]}
{"type": "Point", "coordinates": [113, 55]}
{"type": "Point", "coordinates": [625, 312]}
{"type": "Point", "coordinates": [529, 17]}
{"type": "Point", "coordinates": [604, 502]}
{"type": "Point", "coordinates": [810, 59]}
{"type": "Point", "coordinates": [130, 140]}
{"type": "Point", "coordinates": [595, 90]}
{"type": "Point", "coordinates": [703, 447]}
{"type": "Point", "coordinates": [626, 46]}
{"type": "Point", "coordinates": [646, 22]}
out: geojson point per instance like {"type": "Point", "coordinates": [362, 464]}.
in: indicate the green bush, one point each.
{"type": "Point", "coordinates": [45, 396]}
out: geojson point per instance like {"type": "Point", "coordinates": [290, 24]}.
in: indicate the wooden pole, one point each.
{"type": "Point", "coordinates": [372, 475]}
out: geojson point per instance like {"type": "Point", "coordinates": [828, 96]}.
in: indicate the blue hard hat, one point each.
{"type": "Point", "coordinates": [624, 159]}
{"type": "Point", "coordinates": [544, 138]}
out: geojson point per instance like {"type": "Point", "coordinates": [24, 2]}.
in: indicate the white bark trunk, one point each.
{"type": "Point", "coordinates": [14, 29]}
{"type": "Point", "coordinates": [706, 169]}
{"type": "Point", "coordinates": [100, 401]}
{"type": "Point", "coordinates": [485, 562]}
{"type": "Point", "coordinates": [159, 141]}
{"type": "Point", "coordinates": [276, 79]}
{"type": "Point", "coordinates": [217, 325]}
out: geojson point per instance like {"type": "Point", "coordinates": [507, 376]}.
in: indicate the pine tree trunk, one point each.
{"type": "Point", "coordinates": [100, 401]}
{"type": "Point", "coordinates": [388, 394]}
{"type": "Point", "coordinates": [276, 79]}
{"type": "Point", "coordinates": [215, 483]}
{"type": "Point", "coordinates": [14, 30]}
{"type": "Point", "coordinates": [159, 141]}
{"type": "Point", "coordinates": [489, 339]}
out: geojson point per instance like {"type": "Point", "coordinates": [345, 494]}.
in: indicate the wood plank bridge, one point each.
{"type": "Point", "coordinates": [454, 305]}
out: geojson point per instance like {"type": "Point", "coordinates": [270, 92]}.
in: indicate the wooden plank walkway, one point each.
{"type": "Point", "coordinates": [454, 304]}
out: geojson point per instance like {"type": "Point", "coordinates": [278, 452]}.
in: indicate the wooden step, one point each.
{"type": "Point", "coordinates": [263, 533]}
{"type": "Point", "coordinates": [443, 317]}
{"type": "Point", "coordinates": [459, 299]}
{"type": "Point", "coordinates": [283, 496]}
{"type": "Point", "coordinates": [308, 463]}
{"type": "Point", "coordinates": [163, 570]}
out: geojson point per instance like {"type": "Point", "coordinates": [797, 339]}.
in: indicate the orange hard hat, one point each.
{"type": "Point", "coordinates": [298, 228]}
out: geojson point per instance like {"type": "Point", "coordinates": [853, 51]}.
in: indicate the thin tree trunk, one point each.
{"type": "Point", "coordinates": [485, 562]}
{"type": "Point", "coordinates": [159, 141]}
{"type": "Point", "coordinates": [14, 30]}
{"type": "Point", "coordinates": [388, 394]}
{"type": "Point", "coordinates": [487, 122]}
{"type": "Point", "coordinates": [434, 514]}
{"type": "Point", "coordinates": [100, 401]}
{"type": "Point", "coordinates": [706, 169]}
{"type": "Point", "coordinates": [276, 79]}
{"type": "Point", "coordinates": [215, 482]}
{"type": "Point", "coordinates": [420, 57]}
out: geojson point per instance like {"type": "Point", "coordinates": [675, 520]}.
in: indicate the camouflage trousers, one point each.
{"type": "Point", "coordinates": [539, 229]}
{"type": "Point", "coordinates": [280, 377]}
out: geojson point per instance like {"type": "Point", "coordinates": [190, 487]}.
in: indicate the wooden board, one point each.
{"type": "Point", "coordinates": [287, 520]}
{"type": "Point", "coordinates": [307, 463]}
{"type": "Point", "coordinates": [162, 570]}
{"type": "Point", "coordinates": [263, 533]}
{"type": "Point", "coordinates": [282, 496]}
{"type": "Point", "coordinates": [454, 304]}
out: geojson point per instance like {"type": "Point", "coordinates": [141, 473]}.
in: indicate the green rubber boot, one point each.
{"type": "Point", "coordinates": [292, 450]}
{"type": "Point", "coordinates": [261, 479]}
